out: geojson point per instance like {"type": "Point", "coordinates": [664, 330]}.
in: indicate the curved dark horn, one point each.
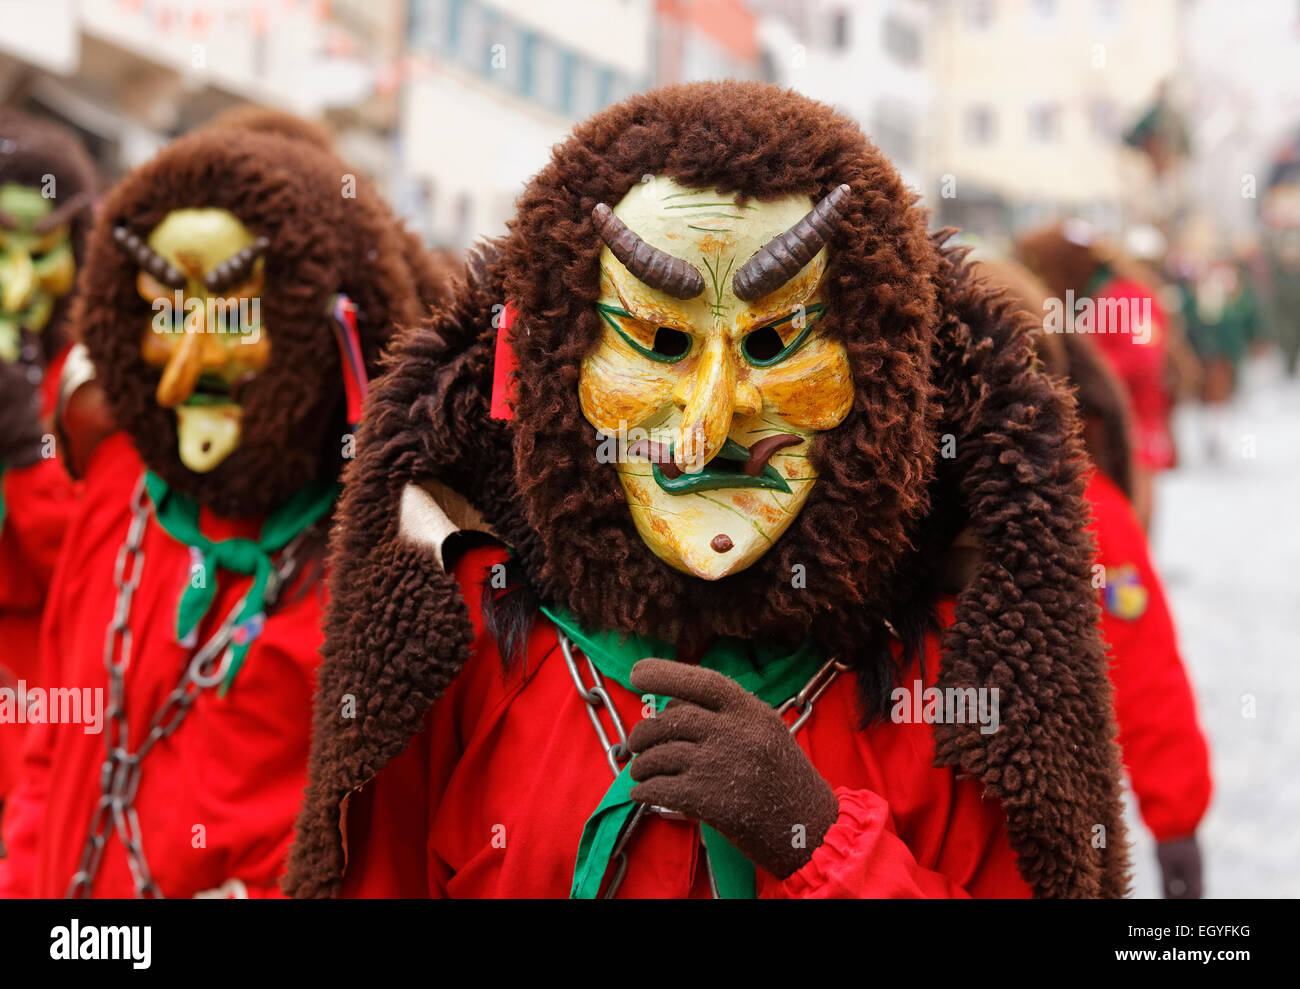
{"type": "Point", "coordinates": [680, 279]}
{"type": "Point", "coordinates": [781, 258]}
{"type": "Point", "coordinates": [235, 268]}
{"type": "Point", "coordinates": [148, 259]}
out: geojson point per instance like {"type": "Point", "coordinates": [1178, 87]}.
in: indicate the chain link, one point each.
{"type": "Point", "coordinates": [119, 778]}
{"type": "Point", "coordinates": [617, 753]}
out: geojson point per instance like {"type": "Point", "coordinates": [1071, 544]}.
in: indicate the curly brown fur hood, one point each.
{"type": "Point", "coordinates": [1102, 401]}
{"type": "Point", "coordinates": [934, 354]}
{"type": "Point", "coordinates": [31, 151]}
{"type": "Point", "coordinates": [323, 242]}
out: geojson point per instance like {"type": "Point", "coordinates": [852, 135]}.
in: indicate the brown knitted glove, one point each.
{"type": "Point", "coordinates": [719, 754]}
{"type": "Point", "coordinates": [1180, 868]}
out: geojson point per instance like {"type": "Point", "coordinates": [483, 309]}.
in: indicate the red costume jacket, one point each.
{"type": "Point", "coordinates": [1164, 750]}
{"type": "Point", "coordinates": [217, 798]}
{"type": "Point", "coordinates": [490, 799]}
{"type": "Point", "coordinates": [39, 502]}
{"type": "Point", "coordinates": [1137, 349]}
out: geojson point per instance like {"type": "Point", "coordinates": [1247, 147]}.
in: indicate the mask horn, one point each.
{"type": "Point", "coordinates": [678, 278]}
{"type": "Point", "coordinates": [781, 258]}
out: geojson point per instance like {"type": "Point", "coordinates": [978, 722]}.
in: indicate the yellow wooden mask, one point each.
{"type": "Point", "coordinates": [202, 271]}
{"type": "Point", "coordinates": [713, 375]}
{"type": "Point", "coordinates": [37, 265]}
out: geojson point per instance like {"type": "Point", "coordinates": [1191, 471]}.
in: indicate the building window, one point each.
{"type": "Point", "coordinates": [568, 81]}
{"type": "Point", "coordinates": [1109, 11]}
{"type": "Point", "coordinates": [893, 133]}
{"type": "Point", "coordinates": [525, 71]}
{"type": "Point", "coordinates": [902, 41]}
{"type": "Point", "coordinates": [455, 15]}
{"type": "Point", "coordinates": [1044, 122]}
{"type": "Point", "coordinates": [840, 29]}
{"type": "Point", "coordinates": [981, 126]}
{"type": "Point", "coordinates": [464, 219]}
{"type": "Point", "coordinates": [604, 88]}
{"type": "Point", "coordinates": [1103, 116]}
{"type": "Point", "coordinates": [979, 14]}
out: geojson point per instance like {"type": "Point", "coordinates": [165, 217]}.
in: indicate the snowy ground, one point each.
{"type": "Point", "coordinates": [1227, 540]}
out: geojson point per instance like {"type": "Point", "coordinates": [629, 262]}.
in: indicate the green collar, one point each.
{"type": "Point", "coordinates": [179, 517]}
{"type": "Point", "coordinates": [770, 674]}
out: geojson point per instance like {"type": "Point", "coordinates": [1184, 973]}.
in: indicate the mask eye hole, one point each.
{"type": "Point", "coordinates": [762, 346]}
{"type": "Point", "coordinates": [671, 344]}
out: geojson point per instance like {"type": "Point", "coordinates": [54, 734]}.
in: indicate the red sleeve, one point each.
{"type": "Point", "coordinates": [1162, 743]}
{"type": "Point", "coordinates": [387, 821]}
{"type": "Point", "coordinates": [862, 857]}
{"type": "Point", "coordinates": [39, 501]}
{"type": "Point", "coordinates": [24, 810]}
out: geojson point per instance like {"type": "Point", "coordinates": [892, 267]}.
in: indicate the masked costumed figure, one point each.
{"type": "Point", "coordinates": [677, 628]}
{"type": "Point", "coordinates": [240, 287]}
{"type": "Point", "coordinates": [1163, 746]}
{"type": "Point", "coordinates": [46, 186]}
{"type": "Point", "coordinates": [1099, 292]}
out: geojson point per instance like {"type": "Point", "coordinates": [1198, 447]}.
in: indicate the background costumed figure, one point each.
{"type": "Point", "coordinates": [729, 288]}
{"type": "Point", "coordinates": [239, 288]}
{"type": "Point", "coordinates": [47, 182]}
{"type": "Point", "coordinates": [1162, 744]}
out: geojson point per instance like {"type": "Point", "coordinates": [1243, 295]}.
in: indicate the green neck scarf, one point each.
{"type": "Point", "coordinates": [179, 517]}
{"type": "Point", "coordinates": [1098, 281]}
{"type": "Point", "coordinates": [774, 677]}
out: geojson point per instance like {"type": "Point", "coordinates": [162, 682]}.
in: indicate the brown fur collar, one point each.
{"type": "Point", "coordinates": [934, 354]}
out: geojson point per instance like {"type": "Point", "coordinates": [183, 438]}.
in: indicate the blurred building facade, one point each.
{"type": "Point", "coordinates": [1033, 96]}
{"type": "Point", "coordinates": [131, 74]}
{"type": "Point", "coordinates": [869, 60]}
{"type": "Point", "coordinates": [1002, 113]}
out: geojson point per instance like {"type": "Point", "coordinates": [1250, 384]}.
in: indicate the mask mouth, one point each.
{"type": "Point", "coordinates": [734, 466]}
{"type": "Point", "coordinates": [213, 390]}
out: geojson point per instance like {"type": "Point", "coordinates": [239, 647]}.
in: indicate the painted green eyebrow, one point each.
{"type": "Point", "coordinates": [607, 313]}
{"type": "Point", "coordinates": [813, 313]}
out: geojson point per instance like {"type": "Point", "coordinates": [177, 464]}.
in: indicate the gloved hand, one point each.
{"type": "Point", "coordinates": [1180, 867]}
{"type": "Point", "coordinates": [20, 414]}
{"type": "Point", "coordinates": [719, 754]}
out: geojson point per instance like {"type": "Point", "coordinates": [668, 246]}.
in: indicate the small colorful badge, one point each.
{"type": "Point", "coordinates": [1126, 595]}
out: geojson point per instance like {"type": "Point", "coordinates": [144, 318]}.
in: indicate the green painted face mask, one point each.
{"type": "Point", "coordinates": [37, 266]}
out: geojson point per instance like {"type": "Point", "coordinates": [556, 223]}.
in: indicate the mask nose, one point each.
{"type": "Point", "coordinates": [181, 373]}
{"type": "Point", "coordinates": [710, 399]}
{"type": "Point", "coordinates": [19, 282]}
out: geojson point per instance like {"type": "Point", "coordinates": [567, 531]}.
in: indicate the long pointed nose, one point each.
{"type": "Point", "coordinates": [185, 364]}
{"type": "Point", "coordinates": [710, 399]}
{"type": "Point", "coordinates": [19, 282]}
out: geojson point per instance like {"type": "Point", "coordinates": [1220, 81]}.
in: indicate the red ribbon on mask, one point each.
{"type": "Point", "coordinates": [503, 381]}
{"type": "Point", "coordinates": [356, 385]}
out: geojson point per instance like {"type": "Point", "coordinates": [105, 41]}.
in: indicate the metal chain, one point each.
{"type": "Point", "coordinates": [617, 753]}
{"type": "Point", "coordinates": [120, 774]}
{"type": "Point", "coordinates": [597, 697]}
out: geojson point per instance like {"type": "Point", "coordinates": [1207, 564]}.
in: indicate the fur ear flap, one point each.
{"type": "Point", "coordinates": [397, 631]}
{"type": "Point", "coordinates": [1026, 623]}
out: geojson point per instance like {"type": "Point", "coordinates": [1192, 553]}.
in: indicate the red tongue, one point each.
{"type": "Point", "coordinates": [761, 452]}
